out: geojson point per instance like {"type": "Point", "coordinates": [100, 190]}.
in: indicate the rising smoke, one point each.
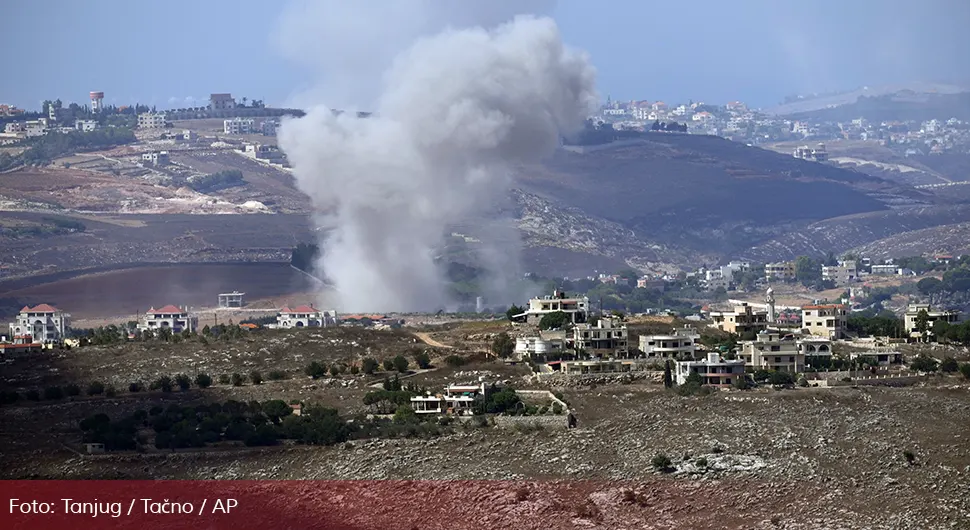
{"type": "Point", "coordinates": [456, 111]}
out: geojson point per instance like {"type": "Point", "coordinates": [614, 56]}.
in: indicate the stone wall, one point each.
{"type": "Point", "coordinates": [549, 421]}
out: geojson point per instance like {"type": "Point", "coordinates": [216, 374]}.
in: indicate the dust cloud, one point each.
{"type": "Point", "coordinates": [456, 110]}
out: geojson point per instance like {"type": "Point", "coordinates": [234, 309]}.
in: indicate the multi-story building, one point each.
{"type": "Point", "coordinates": [238, 126]}
{"type": "Point", "coordinates": [151, 120]}
{"type": "Point", "coordinates": [305, 316]}
{"type": "Point", "coordinates": [538, 348]}
{"type": "Point", "coordinates": [15, 127]}
{"type": "Point", "coordinates": [842, 274]}
{"type": "Point", "coordinates": [575, 308]}
{"type": "Point", "coordinates": [743, 319]}
{"type": "Point", "coordinates": [606, 338]}
{"type": "Point", "coordinates": [816, 154]}
{"type": "Point", "coordinates": [679, 345]}
{"type": "Point", "coordinates": [457, 399]}
{"type": "Point", "coordinates": [233, 299]}
{"type": "Point", "coordinates": [825, 320]}
{"type": "Point", "coordinates": [85, 125]}
{"type": "Point", "coordinates": [817, 350]}
{"type": "Point", "coordinates": [884, 269]}
{"type": "Point", "coordinates": [170, 317]}
{"type": "Point", "coordinates": [36, 127]}
{"type": "Point", "coordinates": [714, 370]}
{"type": "Point", "coordinates": [42, 324]}
{"type": "Point", "coordinates": [912, 315]}
{"type": "Point", "coordinates": [772, 351]}
{"type": "Point", "coordinates": [221, 102]}
{"type": "Point", "coordinates": [781, 271]}
{"type": "Point", "coordinates": [155, 158]}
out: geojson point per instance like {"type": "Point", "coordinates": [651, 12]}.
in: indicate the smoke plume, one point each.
{"type": "Point", "coordinates": [456, 111]}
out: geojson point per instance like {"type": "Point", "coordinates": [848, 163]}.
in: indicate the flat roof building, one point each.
{"type": "Point", "coordinates": [233, 299]}
{"type": "Point", "coordinates": [742, 319]}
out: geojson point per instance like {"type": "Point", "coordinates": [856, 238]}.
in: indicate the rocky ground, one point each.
{"type": "Point", "coordinates": [803, 458]}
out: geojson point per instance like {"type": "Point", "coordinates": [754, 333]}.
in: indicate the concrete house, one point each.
{"type": "Point", "coordinates": [170, 317]}
{"type": "Point", "coordinates": [714, 370]}
{"type": "Point", "coordinates": [744, 318]}
{"type": "Point", "coordinates": [679, 345]}
{"type": "Point", "coordinates": [607, 337]}
{"type": "Point", "coordinates": [912, 313]}
{"type": "Point", "coordinates": [825, 320]}
{"type": "Point", "coordinates": [304, 316]}
{"type": "Point", "coordinates": [43, 324]}
{"type": "Point", "coordinates": [576, 308]}
{"type": "Point", "coordinates": [773, 351]}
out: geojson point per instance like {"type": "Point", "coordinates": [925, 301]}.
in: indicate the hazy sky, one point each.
{"type": "Point", "coordinates": [168, 52]}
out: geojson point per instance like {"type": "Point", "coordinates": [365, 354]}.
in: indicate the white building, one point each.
{"type": "Point", "coordinates": [85, 125]}
{"type": "Point", "coordinates": [221, 102]}
{"type": "Point", "coordinates": [15, 127]}
{"type": "Point", "coordinates": [714, 370]}
{"type": "Point", "coordinates": [842, 274]}
{"type": "Point", "coordinates": [238, 126]}
{"type": "Point", "coordinates": [679, 345]}
{"type": "Point", "coordinates": [912, 314]}
{"type": "Point", "coordinates": [816, 154]}
{"type": "Point", "coordinates": [233, 299]}
{"type": "Point", "coordinates": [576, 309]}
{"type": "Point", "coordinates": [43, 323]}
{"type": "Point", "coordinates": [817, 350]}
{"type": "Point", "coordinates": [884, 269]}
{"type": "Point", "coordinates": [780, 271]}
{"type": "Point", "coordinates": [155, 158]}
{"type": "Point", "coordinates": [536, 347]}
{"type": "Point", "coordinates": [151, 120]}
{"type": "Point", "coordinates": [305, 316]}
{"type": "Point", "coordinates": [607, 337]}
{"type": "Point", "coordinates": [743, 319]}
{"type": "Point", "coordinates": [457, 399]}
{"type": "Point", "coordinates": [36, 127]}
{"type": "Point", "coordinates": [825, 320]}
{"type": "Point", "coordinates": [772, 351]}
{"type": "Point", "coordinates": [170, 317]}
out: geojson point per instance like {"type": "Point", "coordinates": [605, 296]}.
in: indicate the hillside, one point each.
{"type": "Point", "coordinates": [905, 105]}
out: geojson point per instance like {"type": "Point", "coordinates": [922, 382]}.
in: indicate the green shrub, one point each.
{"type": "Point", "coordinates": [276, 375]}
{"type": "Point", "coordinates": [224, 379]}
{"type": "Point", "coordinates": [368, 365]}
{"type": "Point", "coordinates": [662, 463]}
{"type": "Point", "coordinates": [135, 386]}
{"type": "Point", "coordinates": [238, 379]}
{"type": "Point", "coordinates": [256, 377]}
{"type": "Point", "coordinates": [96, 388]}
{"type": "Point", "coordinates": [315, 370]}
{"type": "Point", "coordinates": [183, 381]}
{"type": "Point", "coordinates": [455, 360]}
{"type": "Point", "coordinates": [203, 380]}
{"type": "Point", "coordinates": [32, 395]}
{"type": "Point", "coordinates": [72, 389]}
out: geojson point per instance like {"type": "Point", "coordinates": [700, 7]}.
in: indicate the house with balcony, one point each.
{"type": "Point", "coordinates": [679, 345]}
{"type": "Point", "coordinates": [305, 316]}
{"type": "Point", "coordinates": [42, 324]}
{"type": "Point", "coordinates": [606, 338]}
{"type": "Point", "coordinates": [457, 399]}
{"type": "Point", "coordinates": [772, 350]}
{"type": "Point", "coordinates": [176, 319]}
{"type": "Point", "coordinates": [576, 308]}
{"type": "Point", "coordinates": [933, 316]}
{"type": "Point", "coordinates": [744, 318]}
{"type": "Point", "coordinates": [714, 370]}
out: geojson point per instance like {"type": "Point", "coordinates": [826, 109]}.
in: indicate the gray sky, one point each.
{"type": "Point", "coordinates": [167, 53]}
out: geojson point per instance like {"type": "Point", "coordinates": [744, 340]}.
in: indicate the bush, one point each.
{"type": "Point", "coordinates": [388, 365]}
{"type": "Point", "coordinates": [32, 395]}
{"type": "Point", "coordinates": [354, 370]}
{"type": "Point", "coordinates": [740, 383]}
{"type": "Point", "coordinates": [9, 397]}
{"type": "Point", "coordinates": [335, 369]}
{"type": "Point", "coordinates": [183, 381]}
{"type": "Point", "coordinates": [965, 370]}
{"type": "Point", "coordinates": [910, 457]}
{"type": "Point", "coordinates": [556, 408]}
{"type": "Point", "coordinates": [316, 370]}
{"type": "Point", "coordinates": [662, 463]}
{"type": "Point", "coordinates": [368, 365]}
{"type": "Point", "coordinates": [53, 392]}
{"type": "Point", "coordinates": [455, 360]}
{"type": "Point", "coordinates": [423, 360]}
{"type": "Point", "coordinates": [949, 365]}
{"type": "Point", "coordinates": [802, 381]}
{"type": "Point", "coordinates": [276, 375]}
{"type": "Point", "coordinates": [163, 383]}
{"type": "Point", "coordinates": [72, 390]}
{"type": "Point", "coordinates": [400, 364]}
{"type": "Point", "coordinates": [256, 377]}
{"type": "Point", "coordinates": [96, 388]}
{"type": "Point", "coordinates": [224, 379]}
{"type": "Point", "coordinates": [110, 391]}
{"type": "Point", "coordinates": [923, 363]}
{"type": "Point", "coordinates": [238, 379]}
{"type": "Point", "coordinates": [701, 462]}
{"type": "Point", "coordinates": [135, 387]}
{"type": "Point", "coordinates": [203, 380]}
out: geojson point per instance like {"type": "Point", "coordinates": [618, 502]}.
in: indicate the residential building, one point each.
{"type": "Point", "coordinates": [221, 102]}
{"type": "Point", "coordinates": [912, 314]}
{"type": "Point", "coordinates": [238, 126]}
{"type": "Point", "coordinates": [884, 269]}
{"type": "Point", "coordinates": [151, 120]}
{"type": "Point", "coordinates": [85, 125]}
{"type": "Point", "coordinates": [575, 308]}
{"type": "Point", "coordinates": [772, 351]}
{"type": "Point", "coordinates": [781, 271]}
{"type": "Point", "coordinates": [155, 158]}
{"type": "Point", "coordinates": [233, 299]}
{"type": "Point", "coordinates": [458, 399]}
{"type": "Point", "coordinates": [595, 366]}
{"type": "Point", "coordinates": [606, 338]}
{"type": "Point", "coordinates": [817, 350]}
{"type": "Point", "coordinates": [652, 283]}
{"type": "Point", "coordinates": [679, 345]}
{"type": "Point", "coordinates": [36, 127]}
{"type": "Point", "coordinates": [815, 154]}
{"type": "Point", "coordinates": [882, 358]}
{"type": "Point", "coordinates": [15, 127]}
{"type": "Point", "coordinates": [269, 127]}
{"type": "Point", "coordinates": [44, 324]}
{"type": "Point", "coordinates": [269, 153]}
{"type": "Point", "coordinates": [842, 274]}
{"type": "Point", "coordinates": [714, 370]}
{"type": "Point", "coordinates": [10, 110]}
{"type": "Point", "coordinates": [537, 348]}
{"type": "Point", "coordinates": [305, 316]}
{"type": "Point", "coordinates": [189, 136]}
{"type": "Point", "coordinates": [742, 319]}
{"type": "Point", "coordinates": [170, 317]}
{"type": "Point", "coordinates": [825, 320]}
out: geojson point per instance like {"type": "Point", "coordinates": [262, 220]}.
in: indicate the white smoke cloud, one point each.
{"type": "Point", "coordinates": [456, 110]}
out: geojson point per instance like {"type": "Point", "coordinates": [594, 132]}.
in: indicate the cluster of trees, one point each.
{"type": "Point", "coordinates": [958, 333]}
{"type": "Point", "coordinates": [43, 149]}
{"type": "Point", "coordinates": [955, 283]}
{"type": "Point", "coordinates": [869, 323]}
{"type": "Point", "coordinates": [113, 334]}
{"type": "Point", "coordinates": [369, 366]}
{"type": "Point", "coordinates": [50, 226]}
{"type": "Point", "coordinates": [668, 127]}
{"type": "Point", "coordinates": [217, 181]}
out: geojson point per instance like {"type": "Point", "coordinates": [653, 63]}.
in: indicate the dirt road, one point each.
{"type": "Point", "coordinates": [426, 338]}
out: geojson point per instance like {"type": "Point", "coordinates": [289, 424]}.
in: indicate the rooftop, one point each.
{"type": "Point", "coordinates": [42, 308]}
{"type": "Point", "coordinates": [165, 310]}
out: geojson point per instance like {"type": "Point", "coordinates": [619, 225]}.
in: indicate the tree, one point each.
{"type": "Point", "coordinates": [923, 324]}
{"type": "Point", "coordinates": [807, 271]}
{"type": "Point", "coordinates": [512, 311]}
{"type": "Point", "coordinates": [183, 381]}
{"type": "Point", "coordinates": [368, 365]}
{"type": "Point", "coordinates": [203, 380]}
{"type": "Point", "coordinates": [965, 370]}
{"type": "Point", "coordinates": [163, 383]}
{"type": "Point", "coordinates": [923, 363]}
{"type": "Point", "coordinates": [401, 364]}
{"type": "Point", "coordinates": [930, 286]}
{"type": "Point", "coordinates": [554, 320]}
{"type": "Point", "coordinates": [276, 410]}
{"type": "Point", "coordinates": [315, 370]}
{"type": "Point", "coordinates": [256, 377]}
{"type": "Point", "coordinates": [668, 379]}
{"type": "Point", "coordinates": [388, 364]}
{"type": "Point", "coordinates": [72, 390]}
{"type": "Point", "coordinates": [503, 346]}
{"type": "Point", "coordinates": [96, 388]}
{"type": "Point", "coordinates": [423, 360]}
{"type": "Point", "coordinates": [237, 379]}
{"type": "Point", "coordinates": [405, 414]}
{"type": "Point", "coordinates": [335, 370]}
